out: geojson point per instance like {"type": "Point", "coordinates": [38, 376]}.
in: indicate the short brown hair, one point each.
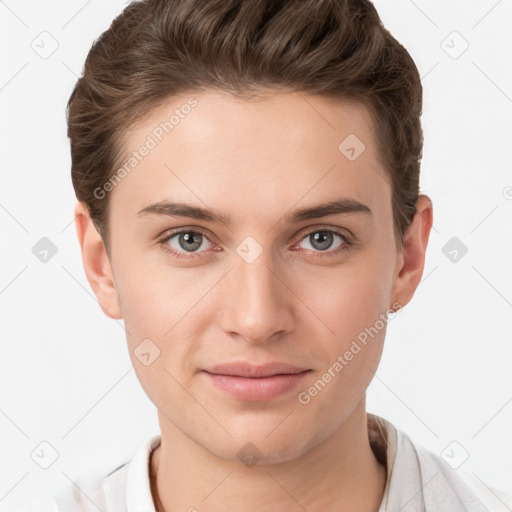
{"type": "Point", "coordinates": [156, 49]}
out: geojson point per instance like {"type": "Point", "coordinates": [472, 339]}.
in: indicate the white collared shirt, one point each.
{"type": "Point", "coordinates": [417, 481]}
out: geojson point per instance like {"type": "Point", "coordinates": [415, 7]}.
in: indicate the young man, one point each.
{"type": "Point", "coordinates": [247, 175]}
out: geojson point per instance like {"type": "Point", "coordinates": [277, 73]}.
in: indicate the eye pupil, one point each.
{"type": "Point", "coordinates": [324, 238]}
{"type": "Point", "coordinates": [189, 239]}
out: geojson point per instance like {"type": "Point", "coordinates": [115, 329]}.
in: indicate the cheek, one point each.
{"type": "Point", "coordinates": [350, 326]}
{"type": "Point", "coordinates": [348, 298]}
{"type": "Point", "coordinates": [350, 359]}
{"type": "Point", "coordinates": [156, 297]}
{"type": "Point", "coordinates": [165, 313]}
{"type": "Point", "coordinates": [162, 332]}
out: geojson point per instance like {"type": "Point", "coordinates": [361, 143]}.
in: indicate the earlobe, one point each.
{"type": "Point", "coordinates": [96, 263]}
{"type": "Point", "coordinates": [412, 258]}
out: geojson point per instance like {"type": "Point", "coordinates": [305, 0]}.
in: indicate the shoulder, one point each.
{"type": "Point", "coordinates": [106, 494]}
{"type": "Point", "coordinates": [470, 490]}
{"type": "Point", "coordinates": [459, 488]}
{"type": "Point", "coordinates": [126, 487]}
{"type": "Point", "coordinates": [420, 480]}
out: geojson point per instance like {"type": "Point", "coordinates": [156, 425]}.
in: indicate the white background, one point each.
{"type": "Point", "coordinates": [65, 373]}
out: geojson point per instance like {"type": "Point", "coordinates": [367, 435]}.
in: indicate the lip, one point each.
{"type": "Point", "coordinates": [256, 383]}
{"type": "Point", "coordinates": [243, 369]}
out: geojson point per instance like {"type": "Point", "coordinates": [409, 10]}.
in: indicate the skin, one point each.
{"type": "Point", "coordinates": [296, 303]}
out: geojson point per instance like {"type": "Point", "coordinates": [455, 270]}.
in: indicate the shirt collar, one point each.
{"type": "Point", "coordinates": [138, 486]}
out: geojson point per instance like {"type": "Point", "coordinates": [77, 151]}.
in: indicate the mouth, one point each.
{"type": "Point", "coordinates": [256, 383]}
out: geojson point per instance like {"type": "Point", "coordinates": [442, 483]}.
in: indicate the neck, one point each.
{"type": "Point", "coordinates": [339, 473]}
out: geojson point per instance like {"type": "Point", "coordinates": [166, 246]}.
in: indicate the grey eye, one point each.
{"type": "Point", "coordinates": [188, 241]}
{"type": "Point", "coordinates": [322, 240]}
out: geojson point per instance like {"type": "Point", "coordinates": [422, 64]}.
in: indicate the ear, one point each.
{"type": "Point", "coordinates": [412, 258]}
{"type": "Point", "coordinates": [96, 263]}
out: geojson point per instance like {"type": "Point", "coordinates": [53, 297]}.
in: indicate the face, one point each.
{"type": "Point", "coordinates": [263, 274]}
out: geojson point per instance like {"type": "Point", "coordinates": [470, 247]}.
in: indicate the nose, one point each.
{"type": "Point", "coordinates": [257, 304]}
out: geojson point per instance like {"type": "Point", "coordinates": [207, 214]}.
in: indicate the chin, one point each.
{"type": "Point", "coordinates": [252, 447]}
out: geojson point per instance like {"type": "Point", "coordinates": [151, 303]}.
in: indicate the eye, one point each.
{"type": "Point", "coordinates": [326, 241]}
{"type": "Point", "coordinates": [184, 243]}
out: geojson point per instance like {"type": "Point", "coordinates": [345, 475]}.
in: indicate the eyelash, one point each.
{"type": "Point", "coordinates": [345, 246]}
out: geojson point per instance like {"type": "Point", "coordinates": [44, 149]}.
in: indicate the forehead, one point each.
{"type": "Point", "coordinates": [281, 150]}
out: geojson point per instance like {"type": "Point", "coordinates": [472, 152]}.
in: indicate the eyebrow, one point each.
{"type": "Point", "coordinates": [342, 206]}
